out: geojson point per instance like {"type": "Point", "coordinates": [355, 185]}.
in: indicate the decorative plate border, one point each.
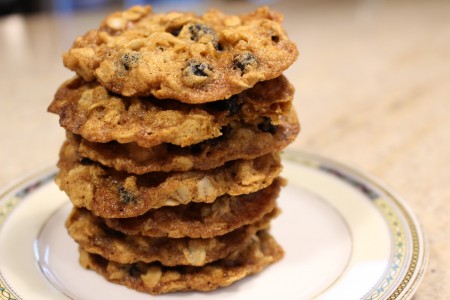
{"type": "Point", "coordinates": [399, 218]}
{"type": "Point", "coordinates": [14, 195]}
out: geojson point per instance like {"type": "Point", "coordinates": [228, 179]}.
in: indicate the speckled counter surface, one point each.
{"type": "Point", "coordinates": [372, 86]}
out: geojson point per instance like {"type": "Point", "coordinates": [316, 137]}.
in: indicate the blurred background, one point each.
{"type": "Point", "coordinates": [66, 6]}
{"type": "Point", "coordinates": [33, 6]}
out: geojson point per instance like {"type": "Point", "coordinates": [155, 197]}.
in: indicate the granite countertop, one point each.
{"type": "Point", "coordinates": [372, 87]}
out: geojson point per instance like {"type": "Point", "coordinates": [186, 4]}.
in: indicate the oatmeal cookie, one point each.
{"type": "Point", "coordinates": [111, 194]}
{"type": "Point", "coordinates": [155, 279]}
{"type": "Point", "coordinates": [193, 59]}
{"type": "Point", "coordinates": [94, 236]}
{"type": "Point", "coordinates": [243, 142]}
{"type": "Point", "coordinates": [202, 220]}
{"type": "Point", "coordinates": [89, 110]}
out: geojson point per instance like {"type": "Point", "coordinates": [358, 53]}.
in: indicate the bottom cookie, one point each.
{"type": "Point", "coordinates": [154, 278]}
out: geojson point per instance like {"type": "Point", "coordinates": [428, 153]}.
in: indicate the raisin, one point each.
{"type": "Point", "coordinates": [126, 197]}
{"type": "Point", "coordinates": [267, 126]}
{"type": "Point", "coordinates": [245, 61]}
{"type": "Point", "coordinates": [86, 161]}
{"type": "Point", "coordinates": [275, 38]}
{"type": "Point", "coordinates": [197, 68]}
{"type": "Point", "coordinates": [129, 60]}
{"type": "Point", "coordinates": [199, 30]}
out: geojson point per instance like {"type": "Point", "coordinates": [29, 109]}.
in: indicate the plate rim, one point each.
{"type": "Point", "coordinates": [421, 245]}
{"type": "Point", "coordinates": [8, 204]}
{"type": "Point", "coordinates": [405, 288]}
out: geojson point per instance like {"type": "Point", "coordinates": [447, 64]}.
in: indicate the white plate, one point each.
{"type": "Point", "coordinates": [346, 236]}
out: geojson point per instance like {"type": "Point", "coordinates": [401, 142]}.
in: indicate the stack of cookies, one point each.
{"type": "Point", "coordinates": [174, 126]}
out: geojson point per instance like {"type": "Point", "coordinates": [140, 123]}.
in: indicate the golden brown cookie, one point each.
{"type": "Point", "coordinates": [111, 194]}
{"type": "Point", "coordinates": [243, 142]}
{"type": "Point", "coordinates": [88, 109]}
{"type": "Point", "coordinates": [194, 59]}
{"type": "Point", "coordinates": [202, 220]}
{"type": "Point", "coordinates": [156, 279]}
{"type": "Point", "coordinates": [94, 236]}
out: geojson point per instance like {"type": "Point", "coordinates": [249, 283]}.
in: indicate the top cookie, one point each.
{"type": "Point", "coordinates": [193, 59]}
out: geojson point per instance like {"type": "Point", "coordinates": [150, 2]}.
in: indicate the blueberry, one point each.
{"type": "Point", "coordinates": [126, 197]}
{"type": "Point", "coordinates": [129, 60]}
{"type": "Point", "coordinates": [199, 30]}
{"type": "Point", "coordinates": [245, 61]}
{"type": "Point", "coordinates": [197, 68]}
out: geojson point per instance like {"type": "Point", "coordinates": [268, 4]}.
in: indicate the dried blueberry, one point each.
{"type": "Point", "coordinates": [267, 126]}
{"type": "Point", "coordinates": [129, 60]}
{"type": "Point", "coordinates": [126, 197]}
{"type": "Point", "coordinates": [199, 30]}
{"type": "Point", "coordinates": [197, 68]}
{"type": "Point", "coordinates": [196, 73]}
{"type": "Point", "coordinates": [245, 61]}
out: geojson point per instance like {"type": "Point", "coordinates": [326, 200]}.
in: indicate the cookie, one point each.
{"type": "Point", "coordinates": [92, 234]}
{"type": "Point", "coordinates": [157, 279]}
{"type": "Point", "coordinates": [89, 110]}
{"type": "Point", "coordinates": [202, 220]}
{"type": "Point", "coordinates": [243, 142]}
{"type": "Point", "coordinates": [193, 59]}
{"type": "Point", "coordinates": [111, 194]}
